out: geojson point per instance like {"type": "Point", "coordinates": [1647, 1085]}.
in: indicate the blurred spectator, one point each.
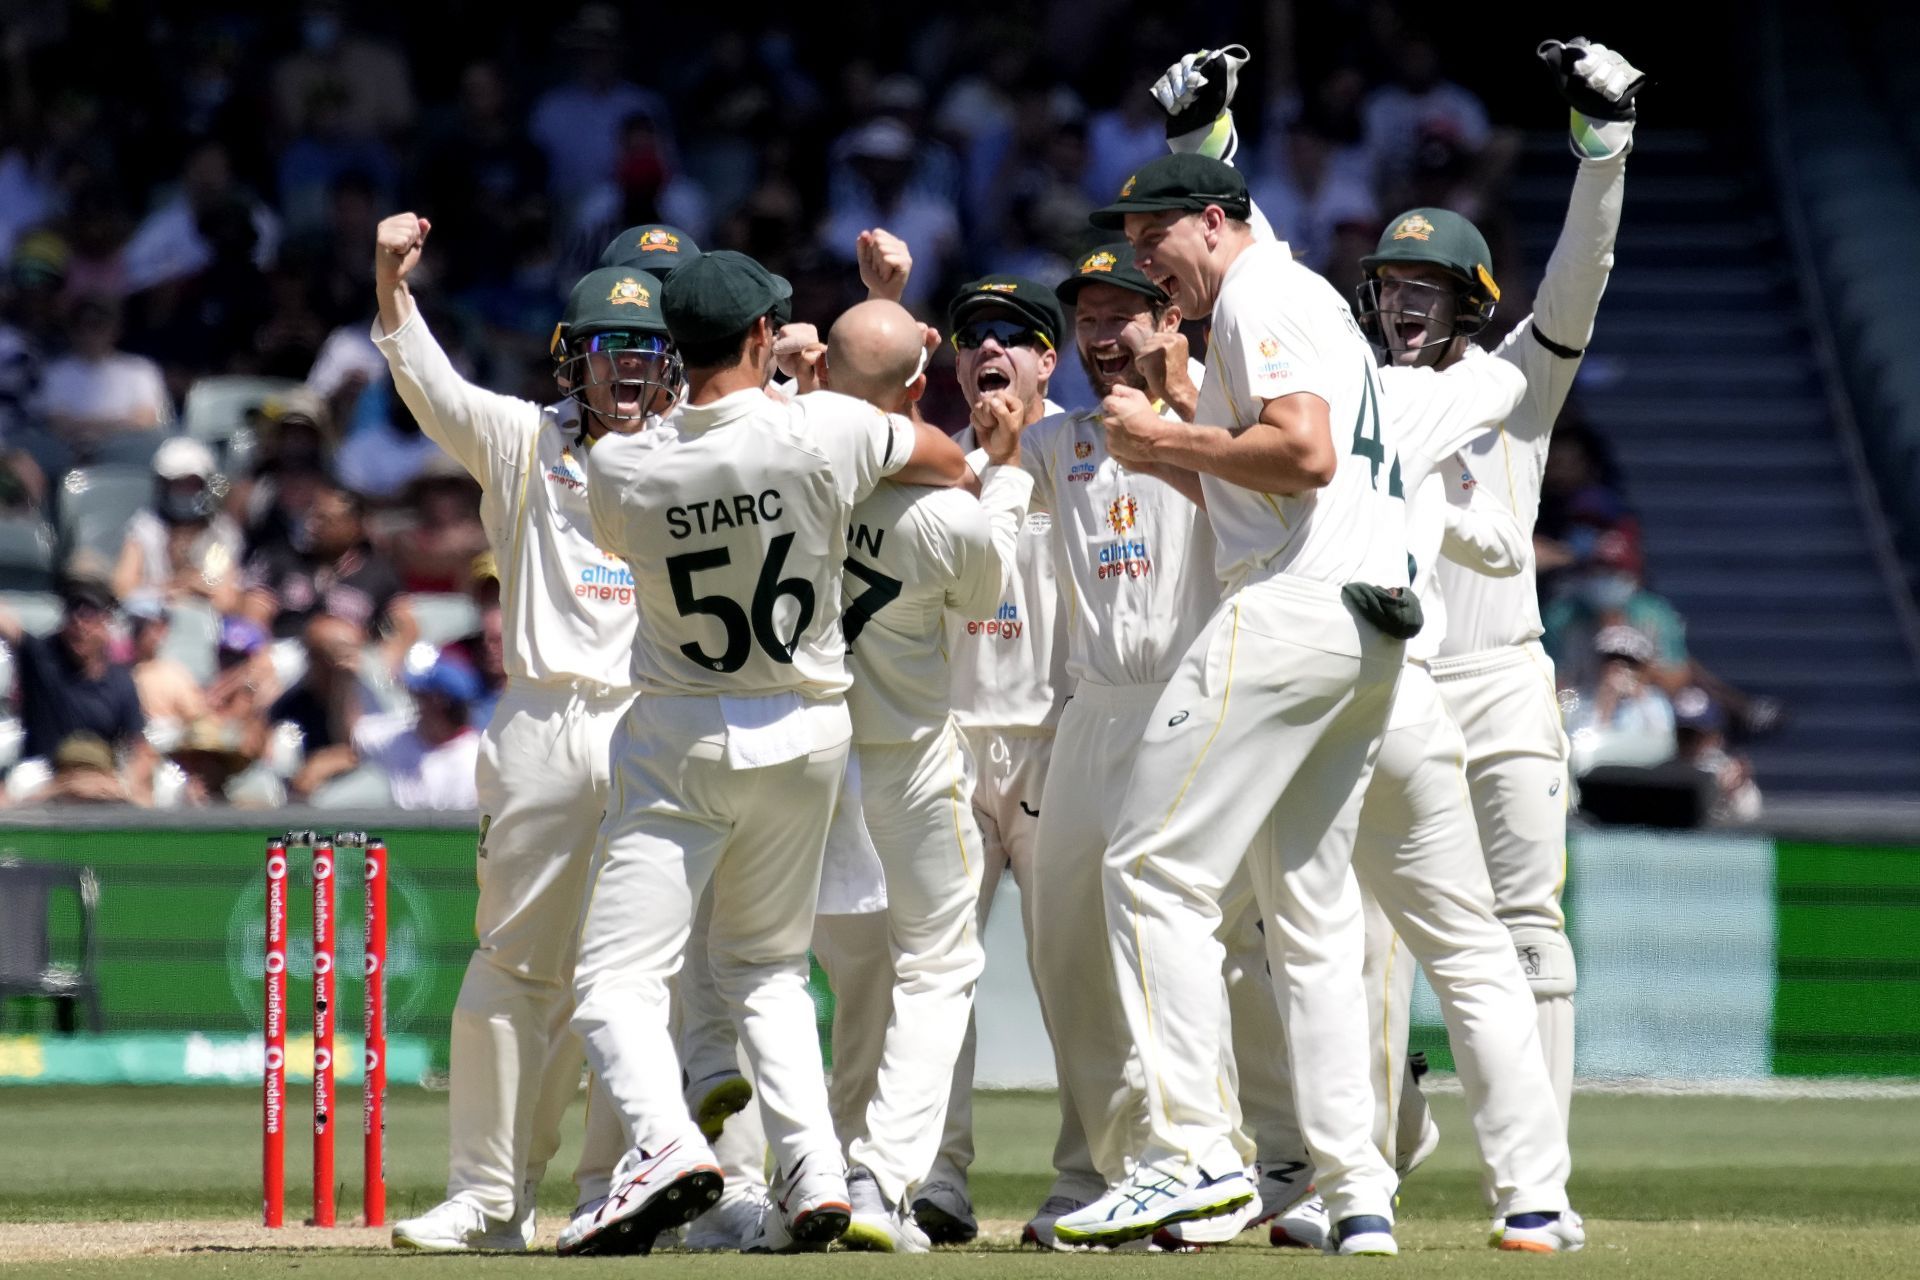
{"type": "Point", "coordinates": [97, 390]}
{"type": "Point", "coordinates": [327, 703]}
{"type": "Point", "coordinates": [336, 572]}
{"type": "Point", "coordinates": [578, 124]}
{"type": "Point", "coordinates": [293, 452]}
{"type": "Point", "coordinates": [1702, 737]}
{"type": "Point", "coordinates": [170, 697]}
{"type": "Point", "coordinates": [1325, 213]}
{"type": "Point", "coordinates": [881, 154]}
{"type": "Point", "coordinates": [96, 227]}
{"type": "Point", "coordinates": [435, 552]}
{"type": "Point", "coordinates": [368, 76]}
{"type": "Point", "coordinates": [386, 449]}
{"type": "Point", "coordinates": [183, 544]}
{"type": "Point", "coordinates": [169, 244]}
{"type": "Point", "coordinates": [1581, 497]}
{"type": "Point", "coordinates": [245, 683]}
{"type": "Point", "coordinates": [332, 253]}
{"type": "Point", "coordinates": [430, 763]}
{"type": "Point", "coordinates": [484, 650]}
{"type": "Point", "coordinates": [480, 168]}
{"type": "Point", "coordinates": [323, 152]}
{"type": "Point", "coordinates": [936, 167]}
{"type": "Point", "coordinates": [1125, 135]}
{"type": "Point", "coordinates": [69, 684]}
{"type": "Point", "coordinates": [1606, 589]}
{"type": "Point", "coordinates": [83, 773]}
{"type": "Point", "coordinates": [1622, 717]}
{"type": "Point", "coordinates": [210, 755]}
{"type": "Point", "coordinates": [1420, 106]}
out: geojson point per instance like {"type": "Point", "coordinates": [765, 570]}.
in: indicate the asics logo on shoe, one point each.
{"type": "Point", "coordinates": [1283, 1173]}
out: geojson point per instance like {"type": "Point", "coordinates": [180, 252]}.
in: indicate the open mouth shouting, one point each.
{"type": "Point", "coordinates": [994, 376]}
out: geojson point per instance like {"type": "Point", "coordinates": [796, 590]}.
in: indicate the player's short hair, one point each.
{"type": "Point", "coordinates": [714, 353]}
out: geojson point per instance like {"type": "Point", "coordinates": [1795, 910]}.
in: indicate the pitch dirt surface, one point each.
{"type": "Point", "coordinates": [125, 1184]}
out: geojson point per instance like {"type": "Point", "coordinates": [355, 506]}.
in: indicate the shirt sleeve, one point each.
{"type": "Point", "coordinates": [1437, 413]}
{"type": "Point", "coordinates": [483, 431]}
{"type": "Point", "coordinates": [970, 543]}
{"type": "Point", "coordinates": [863, 445]}
{"type": "Point", "coordinates": [1273, 349]}
{"type": "Point", "coordinates": [1484, 536]}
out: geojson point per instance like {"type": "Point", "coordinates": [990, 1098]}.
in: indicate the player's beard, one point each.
{"type": "Point", "coordinates": [1104, 383]}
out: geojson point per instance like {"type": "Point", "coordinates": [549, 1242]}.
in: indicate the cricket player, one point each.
{"type": "Point", "coordinates": [543, 778]}
{"type": "Point", "coordinates": [1275, 712]}
{"type": "Point", "coordinates": [1008, 670]}
{"type": "Point", "coordinates": [731, 516]}
{"type": "Point", "coordinates": [915, 554]}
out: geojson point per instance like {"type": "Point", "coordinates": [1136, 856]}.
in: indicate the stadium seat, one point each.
{"type": "Point", "coordinates": [218, 406]}
{"type": "Point", "coordinates": [128, 448]}
{"type": "Point", "coordinates": [39, 611]}
{"type": "Point", "coordinates": [193, 638]}
{"type": "Point", "coordinates": [26, 554]}
{"type": "Point", "coordinates": [94, 505]}
{"type": "Point", "coordinates": [445, 616]}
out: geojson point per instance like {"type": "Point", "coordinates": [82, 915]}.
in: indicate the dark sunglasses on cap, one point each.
{"type": "Point", "coordinates": [1008, 333]}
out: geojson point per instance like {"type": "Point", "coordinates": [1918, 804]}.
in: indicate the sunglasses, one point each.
{"type": "Point", "coordinates": [622, 340]}
{"type": "Point", "coordinates": [1008, 333]}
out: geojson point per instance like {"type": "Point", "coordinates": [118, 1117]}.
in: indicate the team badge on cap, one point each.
{"type": "Point", "coordinates": [1127, 190]}
{"type": "Point", "coordinates": [1001, 287]}
{"type": "Point", "coordinates": [1413, 227]}
{"type": "Point", "coordinates": [630, 293]}
{"type": "Point", "coordinates": [1098, 261]}
{"type": "Point", "coordinates": [658, 241]}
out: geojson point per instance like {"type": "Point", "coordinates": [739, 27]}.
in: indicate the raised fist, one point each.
{"type": "Point", "coordinates": [885, 263]}
{"type": "Point", "coordinates": [397, 243]}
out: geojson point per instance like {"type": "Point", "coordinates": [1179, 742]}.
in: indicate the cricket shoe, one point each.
{"type": "Point", "coordinates": [1363, 1236]}
{"type": "Point", "coordinates": [582, 1218]}
{"type": "Point", "coordinates": [1301, 1225]}
{"type": "Point", "coordinates": [944, 1213]}
{"type": "Point", "coordinates": [717, 1099]}
{"type": "Point", "coordinates": [876, 1226]}
{"type": "Point", "coordinates": [1039, 1229]}
{"type": "Point", "coordinates": [1542, 1233]}
{"type": "Point", "coordinates": [1283, 1183]}
{"type": "Point", "coordinates": [810, 1210]}
{"type": "Point", "coordinates": [454, 1226]}
{"type": "Point", "coordinates": [1152, 1198]}
{"type": "Point", "coordinates": [1202, 1233]}
{"type": "Point", "coordinates": [651, 1193]}
{"type": "Point", "coordinates": [730, 1225]}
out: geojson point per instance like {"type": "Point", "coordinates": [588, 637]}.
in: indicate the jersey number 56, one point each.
{"type": "Point", "coordinates": [743, 628]}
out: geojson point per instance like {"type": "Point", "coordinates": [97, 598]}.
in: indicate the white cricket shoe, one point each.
{"type": "Point", "coordinates": [577, 1225]}
{"type": "Point", "coordinates": [454, 1226]}
{"type": "Point", "coordinates": [717, 1099]}
{"type": "Point", "coordinates": [943, 1211]}
{"type": "Point", "coordinates": [1363, 1236]}
{"type": "Point", "coordinates": [1282, 1184]}
{"type": "Point", "coordinates": [1039, 1229]}
{"type": "Point", "coordinates": [651, 1193]}
{"type": "Point", "coordinates": [1542, 1233]}
{"type": "Point", "coordinates": [1152, 1198]}
{"type": "Point", "coordinates": [876, 1226]}
{"type": "Point", "coordinates": [810, 1209]}
{"type": "Point", "coordinates": [729, 1225]}
{"type": "Point", "coordinates": [1200, 1233]}
{"type": "Point", "coordinates": [1428, 1143]}
{"type": "Point", "coordinates": [1301, 1225]}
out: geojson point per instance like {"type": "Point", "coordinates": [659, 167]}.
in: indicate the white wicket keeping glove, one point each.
{"type": "Point", "coordinates": [1196, 93]}
{"type": "Point", "coordinates": [1599, 85]}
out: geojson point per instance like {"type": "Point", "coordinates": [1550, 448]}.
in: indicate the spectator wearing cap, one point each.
{"type": "Point", "coordinates": [1609, 588]}
{"type": "Point", "coordinates": [337, 572]}
{"type": "Point", "coordinates": [210, 755]}
{"type": "Point", "coordinates": [327, 702]}
{"type": "Point", "coordinates": [183, 544]}
{"type": "Point", "coordinates": [83, 773]}
{"type": "Point", "coordinates": [170, 697]}
{"type": "Point", "coordinates": [1701, 729]}
{"type": "Point", "coordinates": [97, 390]}
{"type": "Point", "coordinates": [293, 454]}
{"type": "Point", "coordinates": [881, 154]}
{"type": "Point", "coordinates": [430, 763]}
{"type": "Point", "coordinates": [936, 167]}
{"type": "Point", "coordinates": [245, 684]}
{"type": "Point", "coordinates": [1622, 717]}
{"type": "Point", "coordinates": [69, 684]}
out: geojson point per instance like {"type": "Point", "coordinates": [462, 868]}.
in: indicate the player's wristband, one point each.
{"type": "Point", "coordinates": [1599, 139]}
{"type": "Point", "coordinates": [1218, 141]}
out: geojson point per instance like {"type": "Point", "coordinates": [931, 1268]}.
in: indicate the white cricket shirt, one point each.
{"type": "Point", "coordinates": [732, 519]}
{"type": "Point", "coordinates": [1279, 329]}
{"type": "Point", "coordinates": [913, 553]}
{"type": "Point", "coordinates": [1134, 556]}
{"type": "Point", "coordinates": [566, 606]}
{"type": "Point", "coordinates": [1009, 662]}
{"type": "Point", "coordinates": [1492, 613]}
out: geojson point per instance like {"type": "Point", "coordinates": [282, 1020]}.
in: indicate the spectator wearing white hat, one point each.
{"type": "Point", "coordinates": [882, 154]}
{"type": "Point", "coordinates": [183, 544]}
{"type": "Point", "coordinates": [1625, 718]}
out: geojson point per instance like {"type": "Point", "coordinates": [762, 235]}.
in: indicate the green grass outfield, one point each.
{"type": "Point", "coordinates": [1670, 1186]}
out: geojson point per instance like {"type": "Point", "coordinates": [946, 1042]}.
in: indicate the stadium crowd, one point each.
{"type": "Point", "coordinates": [234, 569]}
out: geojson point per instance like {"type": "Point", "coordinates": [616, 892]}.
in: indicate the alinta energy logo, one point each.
{"type": "Point", "coordinates": [409, 939]}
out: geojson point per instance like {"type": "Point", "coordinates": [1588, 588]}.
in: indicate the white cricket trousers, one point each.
{"type": "Point", "coordinates": [918, 799]}
{"type": "Point", "coordinates": [1011, 764]}
{"type": "Point", "coordinates": [1275, 712]}
{"type": "Point", "coordinates": [683, 818]}
{"type": "Point", "coordinates": [1101, 1117]}
{"type": "Point", "coordinates": [542, 783]}
{"type": "Point", "coordinates": [1417, 856]}
{"type": "Point", "coordinates": [1505, 704]}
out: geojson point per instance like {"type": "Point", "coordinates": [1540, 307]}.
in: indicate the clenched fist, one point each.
{"type": "Point", "coordinates": [1134, 430]}
{"type": "Point", "coordinates": [885, 263]}
{"type": "Point", "coordinates": [1161, 359]}
{"type": "Point", "coordinates": [398, 241]}
{"type": "Point", "coordinates": [998, 419]}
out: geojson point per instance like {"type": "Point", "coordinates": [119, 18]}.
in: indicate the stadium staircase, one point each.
{"type": "Point", "coordinates": [1704, 377]}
